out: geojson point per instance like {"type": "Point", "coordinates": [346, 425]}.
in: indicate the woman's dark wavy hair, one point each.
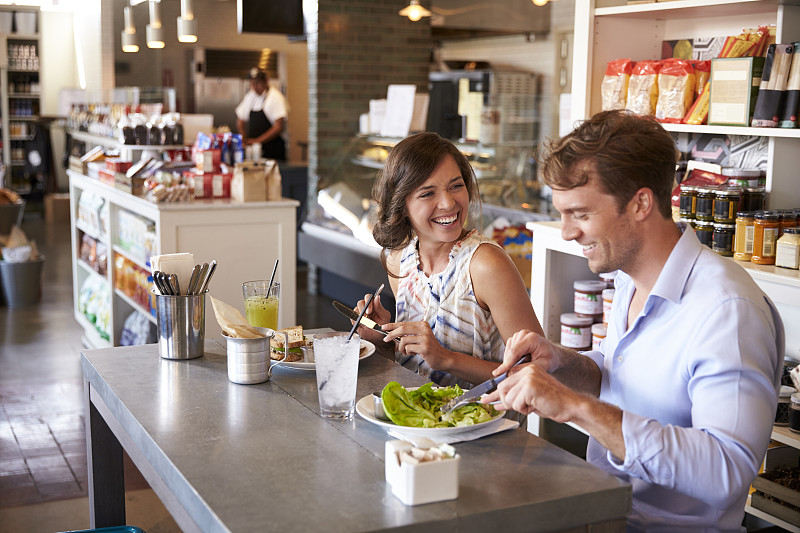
{"type": "Point", "coordinates": [628, 151]}
{"type": "Point", "coordinates": [410, 163]}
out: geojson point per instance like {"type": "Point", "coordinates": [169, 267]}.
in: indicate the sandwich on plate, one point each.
{"type": "Point", "coordinates": [296, 341]}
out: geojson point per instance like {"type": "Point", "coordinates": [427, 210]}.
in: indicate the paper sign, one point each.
{"type": "Point", "coordinates": [399, 109]}
{"type": "Point", "coordinates": [419, 119]}
{"type": "Point", "coordinates": [377, 110]}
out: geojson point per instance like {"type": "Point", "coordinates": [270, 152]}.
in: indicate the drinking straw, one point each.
{"type": "Point", "coordinates": [361, 314]}
{"type": "Point", "coordinates": [272, 278]}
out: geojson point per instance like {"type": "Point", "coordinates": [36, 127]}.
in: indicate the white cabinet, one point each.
{"type": "Point", "coordinates": [244, 238]}
{"type": "Point", "coordinates": [612, 29]}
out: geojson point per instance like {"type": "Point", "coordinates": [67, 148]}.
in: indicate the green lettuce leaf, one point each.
{"type": "Point", "coordinates": [422, 407]}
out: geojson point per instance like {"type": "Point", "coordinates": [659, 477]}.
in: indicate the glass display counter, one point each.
{"type": "Point", "coordinates": [337, 237]}
{"type": "Point", "coordinates": [506, 181]}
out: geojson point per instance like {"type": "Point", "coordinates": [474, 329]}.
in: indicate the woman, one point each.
{"type": "Point", "coordinates": [459, 296]}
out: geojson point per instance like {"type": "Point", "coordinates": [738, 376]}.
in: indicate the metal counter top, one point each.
{"type": "Point", "coordinates": [228, 457]}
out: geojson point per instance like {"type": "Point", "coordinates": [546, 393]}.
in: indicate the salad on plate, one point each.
{"type": "Point", "coordinates": [422, 407]}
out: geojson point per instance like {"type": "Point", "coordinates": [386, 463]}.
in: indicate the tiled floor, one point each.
{"type": "Point", "coordinates": [42, 438]}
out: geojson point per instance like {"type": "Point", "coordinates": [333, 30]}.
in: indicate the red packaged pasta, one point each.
{"type": "Point", "coordinates": [643, 88]}
{"type": "Point", "coordinates": [614, 89]}
{"type": "Point", "coordinates": [676, 87]}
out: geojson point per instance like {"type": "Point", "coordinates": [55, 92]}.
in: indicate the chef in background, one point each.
{"type": "Point", "coordinates": [680, 398]}
{"type": "Point", "coordinates": [262, 115]}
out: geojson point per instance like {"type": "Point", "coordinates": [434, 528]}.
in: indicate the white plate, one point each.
{"type": "Point", "coordinates": [367, 349]}
{"type": "Point", "coordinates": [366, 408]}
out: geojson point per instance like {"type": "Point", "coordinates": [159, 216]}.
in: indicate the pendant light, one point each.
{"type": "Point", "coordinates": [414, 11]}
{"type": "Point", "coordinates": [155, 33]}
{"type": "Point", "coordinates": [187, 25]}
{"type": "Point", "coordinates": [129, 43]}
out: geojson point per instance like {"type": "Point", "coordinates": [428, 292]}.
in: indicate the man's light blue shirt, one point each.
{"type": "Point", "coordinates": [697, 376]}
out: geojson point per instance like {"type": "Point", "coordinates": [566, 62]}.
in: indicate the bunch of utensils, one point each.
{"type": "Point", "coordinates": [168, 285]}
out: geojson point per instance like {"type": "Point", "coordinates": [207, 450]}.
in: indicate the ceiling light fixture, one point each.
{"type": "Point", "coordinates": [155, 33]}
{"type": "Point", "coordinates": [414, 11]}
{"type": "Point", "coordinates": [540, 3]}
{"type": "Point", "coordinates": [187, 25]}
{"type": "Point", "coordinates": [129, 43]}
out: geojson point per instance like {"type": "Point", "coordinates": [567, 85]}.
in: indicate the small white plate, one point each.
{"type": "Point", "coordinates": [367, 349]}
{"type": "Point", "coordinates": [365, 407]}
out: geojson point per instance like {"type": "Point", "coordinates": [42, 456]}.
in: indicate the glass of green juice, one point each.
{"type": "Point", "coordinates": [261, 307]}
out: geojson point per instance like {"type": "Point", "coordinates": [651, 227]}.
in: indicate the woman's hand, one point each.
{"type": "Point", "coordinates": [377, 313]}
{"type": "Point", "coordinates": [418, 338]}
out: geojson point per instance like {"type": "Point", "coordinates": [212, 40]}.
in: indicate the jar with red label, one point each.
{"type": "Point", "coordinates": [608, 299]}
{"type": "Point", "coordinates": [588, 298]}
{"type": "Point", "coordinates": [598, 334]}
{"type": "Point", "coordinates": [576, 331]}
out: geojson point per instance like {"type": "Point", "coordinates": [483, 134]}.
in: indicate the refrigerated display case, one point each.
{"type": "Point", "coordinates": [337, 238]}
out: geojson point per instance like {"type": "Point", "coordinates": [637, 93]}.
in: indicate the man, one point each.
{"type": "Point", "coordinates": [680, 400]}
{"type": "Point", "coordinates": [265, 111]}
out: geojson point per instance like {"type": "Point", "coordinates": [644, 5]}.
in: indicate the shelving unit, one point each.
{"type": "Point", "coordinates": [611, 29]}
{"type": "Point", "coordinates": [245, 239]}
{"type": "Point", "coordinates": [20, 97]}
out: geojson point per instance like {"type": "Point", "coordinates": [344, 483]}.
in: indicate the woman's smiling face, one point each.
{"type": "Point", "coordinates": [438, 208]}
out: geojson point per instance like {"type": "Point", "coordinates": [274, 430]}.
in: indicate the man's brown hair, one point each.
{"type": "Point", "coordinates": [626, 150]}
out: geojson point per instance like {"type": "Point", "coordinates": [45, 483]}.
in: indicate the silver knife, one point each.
{"type": "Point", "coordinates": [475, 393]}
{"type": "Point", "coordinates": [193, 280]}
{"type": "Point", "coordinates": [352, 315]}
{"type": "Point", "coordinates": [366, 322]}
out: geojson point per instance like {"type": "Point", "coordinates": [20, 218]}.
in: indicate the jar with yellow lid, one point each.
{"type": "Point", "coordinates": [743, 235]}
{"type": "Point", "coordinates": [765, 235]}
{"type": "Point", "coordinates": [704, 209]}
{"type": "Point", "coordinates": [688, 201]}
{"type": "Point", "coordinates": [787, 249]}
{"type": "Point", "coordinates": [722, 239]}
{"type": "Point", "coordinates": [726, 204]}
{"type": "Point", "coordinates": [752, 199]}
{"type": "Point", "coordinates": [705, 232]}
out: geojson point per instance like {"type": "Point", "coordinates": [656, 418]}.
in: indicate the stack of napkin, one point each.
{"type": "Point", "coordinates": [232, 322]}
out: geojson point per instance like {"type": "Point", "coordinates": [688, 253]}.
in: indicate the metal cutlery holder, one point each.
{"type": "Point", "coordinates": [181, 325]}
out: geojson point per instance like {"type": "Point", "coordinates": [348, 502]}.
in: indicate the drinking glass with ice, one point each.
{"type": "Point", "coordinates": [336, 361]}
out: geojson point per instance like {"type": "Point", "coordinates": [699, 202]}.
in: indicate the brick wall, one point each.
{"type": "Point", "coordinates": [356, 48]}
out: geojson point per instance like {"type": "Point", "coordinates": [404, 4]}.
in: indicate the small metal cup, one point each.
{"type": "Point", "coordinates": [248, 359]}
{"type": "Point", "coordinates": [377, 405]}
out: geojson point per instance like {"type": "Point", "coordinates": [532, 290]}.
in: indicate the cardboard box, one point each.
{"type": "Point", "coordinates": [56, 208]}
{"type": "Point", "coordinates": [734, 89]}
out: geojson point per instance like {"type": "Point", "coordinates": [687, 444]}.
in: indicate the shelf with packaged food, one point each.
{"type": "Point", "coordinates": [111, 142]}
{"type": "Point", "coordinates": [132, 257]}
{"type": "Point", "coordinates": [91, 337]}
{"type": "Point", "coordinates": [90, 231]}
{"type": "Point", "coordinates": [91, 271]}
{"type": "Point", "coordinates": [135, 305]}
{"type": "Point", "coordinates": [20, 91]}
{"type": "Point", "coordinates": [245, 238]}
{"type": "Point", "coordinates": [610, 29]}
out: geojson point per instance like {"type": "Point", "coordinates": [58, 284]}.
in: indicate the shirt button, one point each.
{"type": "Point", "coordinates": [619, 358]}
